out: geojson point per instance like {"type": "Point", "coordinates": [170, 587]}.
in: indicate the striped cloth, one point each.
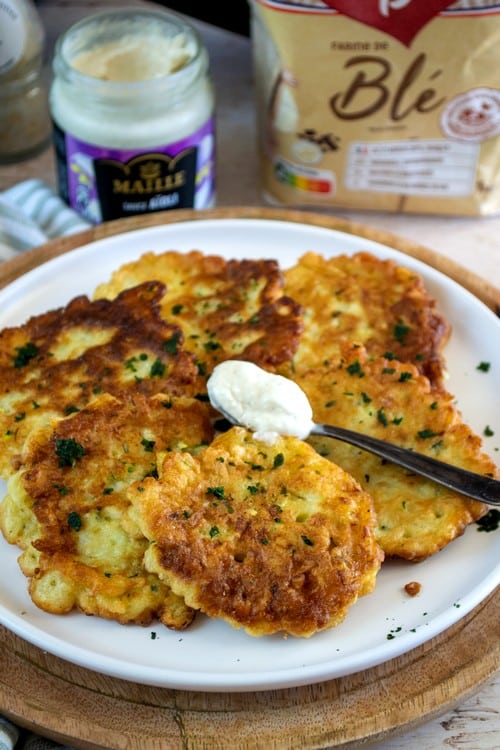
{"type": "Point", "coordinates": [11, 737]}
{"type": "Point", "coordinates": [31, 214]}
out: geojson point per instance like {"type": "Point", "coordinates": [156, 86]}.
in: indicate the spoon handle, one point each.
{"type": "Point", "coordinates": [476, 486]}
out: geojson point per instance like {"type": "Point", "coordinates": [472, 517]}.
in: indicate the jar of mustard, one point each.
{"type": "Point", "coordinates": [132, 105]}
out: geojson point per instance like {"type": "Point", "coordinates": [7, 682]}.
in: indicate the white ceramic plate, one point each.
{"type": "Point", "coordinates": [212, 656]}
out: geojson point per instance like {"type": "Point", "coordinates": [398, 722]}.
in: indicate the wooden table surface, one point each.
{"type": "Point", "coordinates": [472, 243]}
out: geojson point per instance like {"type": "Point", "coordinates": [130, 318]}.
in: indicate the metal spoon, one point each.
{"type": "Point", "coordinates": [476, 486]}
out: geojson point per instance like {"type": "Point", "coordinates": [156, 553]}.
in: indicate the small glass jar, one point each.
{"type": "Point", "coordinates": [24, 115]}
{"type": "Point", "coordinates": [132, 106]}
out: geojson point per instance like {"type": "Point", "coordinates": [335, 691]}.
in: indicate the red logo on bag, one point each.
{"type": "Point", "coordinates": [402, 19]}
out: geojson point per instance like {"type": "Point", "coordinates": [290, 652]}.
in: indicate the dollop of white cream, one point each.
{"type": "Point", "coordinates": [269, 404]}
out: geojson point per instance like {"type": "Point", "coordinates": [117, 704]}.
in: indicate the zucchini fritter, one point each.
{"type": "Point", "coordinates": [226, 309]}
{"type": "Point", "coordinates": [362, 298]}
{"type": "Point", "coordinates": [392, 401]}
{"type": "Point", "coordinates": [271, 538]}
{"type": "Point", "coordinates": [67, 506]}
{"type": "Point", "coordinates": [57, 362]}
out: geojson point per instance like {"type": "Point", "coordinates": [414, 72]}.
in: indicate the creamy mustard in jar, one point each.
{"type": "Point", "coordinates": [132, 105]}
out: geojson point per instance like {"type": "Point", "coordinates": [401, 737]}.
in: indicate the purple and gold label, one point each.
{"type": "Point", "coordinates": [102, 184]}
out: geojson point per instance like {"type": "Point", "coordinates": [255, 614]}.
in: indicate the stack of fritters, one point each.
{"type": "Point", "coordinates": [80, 421]}
{"type": "Point", "coordinates": [126, 505]}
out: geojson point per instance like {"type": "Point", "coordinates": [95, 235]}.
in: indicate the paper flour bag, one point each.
{"type": "Point", "coordinates": [389, 105]}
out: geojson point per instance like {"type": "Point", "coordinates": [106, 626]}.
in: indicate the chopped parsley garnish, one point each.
{"type": "Point", "coordinates": [202, 397]}
{"type": "Point", "coordinates": [202, 367]}
{"type": "Point", "coordinates": [490, 521]}
{"type": "Point", "coordinates": [171, 345]}
{"type": "Point", "coordinates": [61, 488]}
{"type": "Point", "coordinates": [307, 541]}
{"type": "Point", "coordinates": [19, 417]}
{"type": "Point", "coordinates": [483, 366]}
{"type": "Point", "coordinates": [211, 346]}
{"type": "Point", "coordinates": [25, 354]}
{"type": "Point", "coordinates": [148, 445]}
{"type": "Point", "coordinates": [213, 531]}
{"type": "Point", "coordinates": [392, 633]}
{"type": "Point", "coordinates": [426, 434]}
{"type": "Point", "coordinates": [400, 332]}
{"type": "Point", "coordinates": [488, 432]}
{"type": "Point", "coordinates": [381, 417]}
{"type": "Point", "coordinates": [355, 369]}
{"type": "Point", "coordinates": [216, 491]}
{"type": "Point", "coordinates": [279, 460]}
{"type": "Point", "coordinates": [129, 364]}
{"type": "Point", "coordinates": [176, 309]}
{"type": "Point", "coordinates": [74, 521]}
{"type": "Point", "coordinates": [157, 369]}
{"type": "Point", "coordinates": [405, 376]}
{"type": "Point", "coordinates": [365, 397]}
{"type": "Point", "coordinates": [69, 451]}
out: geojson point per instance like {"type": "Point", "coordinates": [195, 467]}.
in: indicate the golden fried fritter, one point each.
{"type": "Point", "coordinates": [392, 401]}
{"type": "Point", "coordinates": [271, 538]}
{"type": "Point", "coordinates": [226, 309]}
{"type": "Point", "coordinates": [59, 361]}
{"type": "Point", "coordinates": [67, 506]}
{"type": "Point", "coordinates": [362, 298]}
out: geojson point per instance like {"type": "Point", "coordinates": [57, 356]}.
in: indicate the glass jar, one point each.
{"type": "Point", "coordinates": [24, 115]}
{"type": "Point", "coordinates": [132, 106]}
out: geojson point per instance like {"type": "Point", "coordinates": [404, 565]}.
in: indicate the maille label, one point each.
{"type": "Point", "coordinates": [149, 182]}
{"type": "Point", "coordinates": [402, 19]}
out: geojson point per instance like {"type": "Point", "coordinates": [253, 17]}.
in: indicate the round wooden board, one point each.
{"type": "Point", "coordinates": [89, 710]}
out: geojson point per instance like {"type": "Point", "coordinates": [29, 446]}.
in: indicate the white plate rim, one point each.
{"type": "Point", "coordinates": [275, 678]}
